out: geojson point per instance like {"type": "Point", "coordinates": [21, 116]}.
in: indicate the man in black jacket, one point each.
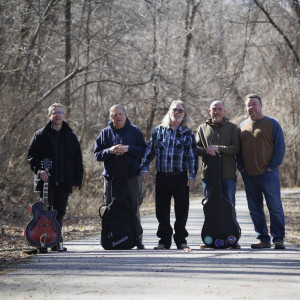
{"type": "Point", "coordinates": [57, 142]}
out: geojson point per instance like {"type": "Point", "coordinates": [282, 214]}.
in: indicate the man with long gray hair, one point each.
{"type": "Point", "coordinates": [174, 146]}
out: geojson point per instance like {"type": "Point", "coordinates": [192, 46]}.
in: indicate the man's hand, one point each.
{"type": "Point", "coordinates": [144, 177]}
{"type": "Point", "coordinates": [76, 188]}
{"type": "Point", "coordinates": [118, 149]}
{"type": "Point", "coordinates": [212, 150]}
{"type": "Point", "coordinates": [44, 175]}
{"type": "Point", "coordinates": [191, 183]}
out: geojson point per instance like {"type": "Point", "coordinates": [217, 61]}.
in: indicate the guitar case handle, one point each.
{"type": "Point", "coordinates": [204, 200]}
{"type": "Point", "coordinates": [105, 205]}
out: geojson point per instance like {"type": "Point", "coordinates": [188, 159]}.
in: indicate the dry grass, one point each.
{"type": "Point", "coordinates": [291, 204]}
{"type": "Point", "coordinates": [13, 246]}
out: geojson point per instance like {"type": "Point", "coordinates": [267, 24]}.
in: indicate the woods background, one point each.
{"type": "Point", "coordinates": [91, 54]}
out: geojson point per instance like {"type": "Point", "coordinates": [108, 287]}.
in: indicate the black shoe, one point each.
{"type": "Point", "coordinates": [161, 247]}
{"type": "Point", "coordinates": [56, 248]}
{"type": "Point", "coordinates": [140, 245]}
{"type": "Point", "coordinates": [42, 250]}
{"type": "Point", "coordinates": [183, 246]}
{"type": "Point", "coordinates": [30, 252]}
{"type": "Point", "coordinates": [279, 245]}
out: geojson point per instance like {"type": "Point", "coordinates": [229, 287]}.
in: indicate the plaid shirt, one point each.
{"type": "Point", "coordinates": [176, 151]}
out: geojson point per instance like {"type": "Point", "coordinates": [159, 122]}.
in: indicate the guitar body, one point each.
{"type": "Point", "coordinates": [43, 230]}
{"type": "Point", "coordinates": [220, 228]}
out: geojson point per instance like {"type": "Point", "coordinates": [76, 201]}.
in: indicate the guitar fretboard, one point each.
{"type": "Point", "coordinates": [45, 196]}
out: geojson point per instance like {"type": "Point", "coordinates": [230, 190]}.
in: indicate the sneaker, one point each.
{"type": "Point", "coordinates": [261, 245]}
{"type": "Point", "coordinates": [183, 246]}
{"type": "Point", "coordinates": [279, 245]}
{"type": "Point", "coordinates": [160, 247]}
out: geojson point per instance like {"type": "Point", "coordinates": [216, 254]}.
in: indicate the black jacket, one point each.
{"type": "Point", "coordinates": [41, 147]}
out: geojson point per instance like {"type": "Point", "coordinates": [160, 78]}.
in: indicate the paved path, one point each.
{"type": "Point", "coordinates": [88, 272]}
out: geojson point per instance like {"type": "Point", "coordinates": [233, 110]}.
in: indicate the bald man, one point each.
{"type": "Point", "coordinates": [218, 135]}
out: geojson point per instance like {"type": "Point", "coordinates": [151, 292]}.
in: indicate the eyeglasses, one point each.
{"type": "Point", "coordinates": [180, 110]}
{"type": "Point", "coordinates": [55, 113]}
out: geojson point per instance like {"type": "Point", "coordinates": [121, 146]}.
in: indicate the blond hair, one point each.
{"type": "Point", "coordinates": [53, 106]}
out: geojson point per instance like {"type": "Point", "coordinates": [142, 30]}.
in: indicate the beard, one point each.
{"type": "Point", "coordinates": [176, 119]}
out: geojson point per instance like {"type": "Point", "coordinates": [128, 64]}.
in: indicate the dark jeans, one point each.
{"type": "Point", "coordinates": [228, 189]}
{"type": "Point", "coordinates": [166, 187]}
{"type": "Point", "coordinates": [58, 199]}
{"type": "Point", "coordinates": [134, 193]}
{"type": "Point", "coordinates": [257, 187]}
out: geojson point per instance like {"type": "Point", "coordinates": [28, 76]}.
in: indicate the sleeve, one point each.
{"type": "Point", "coordinates": [193, 157]}
{"type": "Point", "coordinates": [101, 149]}
{"type": "Point", "coordinates": [78, 164]}
{"type": "Point", "coordinates": [33, 156]}
{"type": "Point", "coordinates": [139, 148]}
{"type": "Point", "coordinates": [239, 157]}
{"type": "Point", "coordinates": [278, 145]}
{"type": "Point", "coordinates": [150, 153]}
{"type": "Point", "coordinates": [234, 148]}
{"type": "Point", "coordinates": [200, 147]}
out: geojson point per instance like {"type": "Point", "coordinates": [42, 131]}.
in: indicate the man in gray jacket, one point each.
{"type": "Point", "coordinates": [218, 135]}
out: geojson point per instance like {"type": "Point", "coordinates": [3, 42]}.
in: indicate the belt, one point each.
{"type": "Point", "coordinates": [171, 173]}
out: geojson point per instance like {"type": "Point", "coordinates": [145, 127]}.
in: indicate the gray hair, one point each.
{"type": "Point", "coordinates": [217, 101]}
{"type": "Point", "coordinates": [114, 107]}
{"type": "Point", "coordinates": [186, 122]}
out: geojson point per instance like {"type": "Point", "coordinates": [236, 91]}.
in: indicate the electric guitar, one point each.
{"type": "Point", "coordinates": [220, 228]}
{"type": "Point", "coordinates": [43, 230]}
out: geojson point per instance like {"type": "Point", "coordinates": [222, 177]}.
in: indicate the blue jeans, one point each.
{"type": "Point", "coordinates": [267, 185]}
{"type": "Point", "coordinates": [228, 189]}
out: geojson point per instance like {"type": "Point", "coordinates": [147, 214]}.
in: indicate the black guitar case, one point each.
{"type": "Point", "coordinates": [118, 232]}
{"type": "Point", "coordinates": [220, 228]}
{"type": "Point", "coordinates": [118, 220]}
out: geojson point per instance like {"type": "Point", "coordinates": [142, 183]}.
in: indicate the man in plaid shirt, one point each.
{"type": "Point", "coordinates": [174, 146]}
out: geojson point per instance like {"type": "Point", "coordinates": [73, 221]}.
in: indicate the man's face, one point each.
{"type": "Point", "coordinates": [57, 116]}
{"type": "Point", "coordinates": [217, 112]}
{"type": "Point", "coordinates": [254, 108]}
{"type": "Point", "coordinates": [177, 113]}
{"type": "Point", "coordinates": [118, 118]}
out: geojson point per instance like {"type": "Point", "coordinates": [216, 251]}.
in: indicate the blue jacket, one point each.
{"type": "Point", "coordinates": [128, 135]}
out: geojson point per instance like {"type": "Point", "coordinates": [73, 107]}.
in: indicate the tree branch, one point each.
{"type": "Point", "coordinates": [279, 30]}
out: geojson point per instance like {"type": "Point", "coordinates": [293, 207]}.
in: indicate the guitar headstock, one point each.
{"type": "Point", "coordinates": [46, 164]}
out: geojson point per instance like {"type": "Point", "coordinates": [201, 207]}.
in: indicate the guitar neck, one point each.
{"type": "Point", "coordinates": [45, 196]}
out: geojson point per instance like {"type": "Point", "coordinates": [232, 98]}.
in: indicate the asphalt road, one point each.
{"type": "Point", "coordinates": [86, 271]}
